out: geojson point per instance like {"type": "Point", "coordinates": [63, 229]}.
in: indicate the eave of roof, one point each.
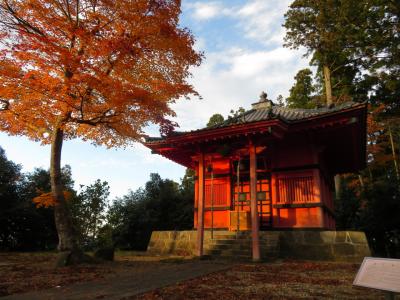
{"type": "Point", "coordinates": [257, 119]}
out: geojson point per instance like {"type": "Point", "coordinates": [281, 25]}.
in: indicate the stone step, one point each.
{"type": "Point", "coordinates": [241, 236]}
{"type": "Point", "coordinates": [231, 236]}
{"type": "Point", "coordinates": [272, 238]}
{"type": "Point", "coordinates": [242, 243]}
{"type": "Point", "coordinates": [234, 252]}
{"type": "Point", "coordinates": [239, 254]}
{"type": "Point", "coordinates": [240, 247]}
{"type": "Point", "coordinates": [228, 252]}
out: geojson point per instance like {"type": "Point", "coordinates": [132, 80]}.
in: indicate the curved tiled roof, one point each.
{"type": "Point", "coordinates": [267, 110]}
{"type": "Point", "coordinates": [289, 115]}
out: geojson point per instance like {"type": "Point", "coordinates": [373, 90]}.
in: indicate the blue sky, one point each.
{"type": "Point", "coordinates": [242, 42]}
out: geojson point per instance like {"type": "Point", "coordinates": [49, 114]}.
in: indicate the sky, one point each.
{"type": "Point", "coordinates": [244, 55]}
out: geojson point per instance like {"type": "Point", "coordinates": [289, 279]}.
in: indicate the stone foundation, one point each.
{"type": "Point", "coordinates": [324, 245]}
{"type": "Point", "coordinates": [310, 245]}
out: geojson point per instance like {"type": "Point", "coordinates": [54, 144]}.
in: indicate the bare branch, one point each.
{"type": "Point", "coordinates": [20, 22]}
{"type": "Point", "coordinates": [104, 118]}
{"type": "Point", "coordinates": [337, 84]}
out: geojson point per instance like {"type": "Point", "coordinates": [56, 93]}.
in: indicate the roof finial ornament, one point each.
{"type": "Point", "coordinates": [263, 102]}
{"type": "Point", "coordinates": [263, 97]}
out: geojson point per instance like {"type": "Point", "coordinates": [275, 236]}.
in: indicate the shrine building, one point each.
{"type": "Point", "coordinates": [269, 168]}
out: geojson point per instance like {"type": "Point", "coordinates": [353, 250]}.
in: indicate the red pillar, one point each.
{"type": "Point", "coordinates": [318, 196]}
{"type": "Point", "coordinates": [200, 207]}
{"type": "Point", "coordinates": [253, 204]}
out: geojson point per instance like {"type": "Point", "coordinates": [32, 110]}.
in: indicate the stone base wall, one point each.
{"type": "Point", "coordinates": [174, 242]}
{"type": "Point", "coordinates": [310, 245]}
{"type": "Point", "coordinates": [324, 245]}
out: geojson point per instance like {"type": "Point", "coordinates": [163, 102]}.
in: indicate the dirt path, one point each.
{"type": "Point", "coordinates": [145, 278]}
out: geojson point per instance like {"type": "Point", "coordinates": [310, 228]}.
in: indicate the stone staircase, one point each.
{"type": "Point", "coordinates": [231, 245]}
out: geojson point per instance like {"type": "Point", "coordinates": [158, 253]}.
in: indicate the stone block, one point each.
{"type": "Point", "coordinates": [357, 237]}
{"type": "Point", "coordinates": [328, 237]}
{"type": "Point", "coordinates": [314, 252]}
{"type": "Point", "coordinates": [154, 236]}
{"type": "Point", "coordinates": [340, 236]}
{"type": "Point", "coordinates": [312, 237]}
{"type": "Point", "coordinates": [362, 250]}
{"type": "Point", "coordinates": [343, 249]}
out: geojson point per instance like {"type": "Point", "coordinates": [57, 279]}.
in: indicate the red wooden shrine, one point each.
{"type": "Point", "coordinates": [270, 167]}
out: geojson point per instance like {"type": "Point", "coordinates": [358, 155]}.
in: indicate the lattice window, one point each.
{"type": "Point", "coordinates": [219, 192]}
{"type": "Point", "coordinates": [295, 189]}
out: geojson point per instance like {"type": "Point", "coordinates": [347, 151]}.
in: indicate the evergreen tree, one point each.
{"type": "Point", "coordinates": [329, 30]}
{"type": "Point", "coordinates": [10, 204]}
{"type": "Point", "coordinates": [280, 101]}
{"type": "Point", "coordinates": [215, 119]}
{"type": "Point", "coordinates": [88, 211]}
{"type": "Point", "coordinates": [302, 91]}
{"type": "Point", "coordinates": [161, 205]}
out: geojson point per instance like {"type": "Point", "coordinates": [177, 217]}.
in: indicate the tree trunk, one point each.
{"type": "Point", "coordinates": [328, 86]}
{"type": "Point", "coordinates": [67, 240]}
{"type": "Point", "coordinates": [396, 168]}
{"type": "Point", "coordinates": [329, 102]}
{"type": "Point", "coordinates": [338, 186]}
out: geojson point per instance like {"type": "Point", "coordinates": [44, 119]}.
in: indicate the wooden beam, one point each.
{"type": "Point", "coordinates": [253, 203]}
{"type": "Point", "coordinates": [200, 207]}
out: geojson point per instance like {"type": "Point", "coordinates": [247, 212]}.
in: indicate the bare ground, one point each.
{"type": "Point", "coordinates": [136, 276]}
{"type": "Point", "coordinates": [279, 280]}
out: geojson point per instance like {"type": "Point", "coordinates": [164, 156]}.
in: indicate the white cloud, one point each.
{"type": "Point", "coordinates": [259, 19]}
{"type": "Point", "coordinates": [235, 77]}
{"type": "Point", "coordinates": [262, 20]}
{"type": "Point", "coordinates": [204, 11]}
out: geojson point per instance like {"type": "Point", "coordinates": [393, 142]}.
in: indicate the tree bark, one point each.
{"type": "Point", "coordinates": [338, 186]}
{"type": "Point", "coordinates": [67, 239]}
{"type": "Point", "coordinates": [328, 86]}
{"type": "Point", "coordinates": [396, 168]}
{"type": "Point", "coordinates": [329, 102]}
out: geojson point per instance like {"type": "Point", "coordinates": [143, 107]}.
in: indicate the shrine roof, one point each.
{"type": "Point", "coordinates": [266, 110]}
{"type": "Point", "coordinates": [271, 111]}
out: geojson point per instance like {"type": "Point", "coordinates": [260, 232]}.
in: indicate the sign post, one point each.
{"type": "Point", "coordinates": [380, 273]}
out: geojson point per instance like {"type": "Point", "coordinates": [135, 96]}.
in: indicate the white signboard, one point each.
{"type": "Point", "coordinates": [379, 273]}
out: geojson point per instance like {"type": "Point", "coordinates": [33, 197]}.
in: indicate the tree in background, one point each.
{"type": "Point", "coordinates": [354, 45]}
{"type": "Point", "coordinates": [301, 93]}
{"type": "Point", "coordinates": [280, 101]}
{"type": "Point", "coordinates": [329, 30]}
{"type": "Point", "coordinates": [24, 224]}
{"type": "Point", "coordinates": [161, 205]}
{"type": "Point", "coordinates": [95, 70]}
{"type": "Point", "coordinates": [235, 113]}
{"type": "Point", "coordinates": [88, 211]}
{"type": "Point", "coordinates": [10, 205]}
{"type": "Point", "coordinates": [215, 119]}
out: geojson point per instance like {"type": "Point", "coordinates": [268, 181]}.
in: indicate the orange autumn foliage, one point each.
{"type": "Point", "coordinates": [102, 69]}
{"type": "Point", "coordinates": [98, 70]}
{"type": "Point", "coordinates": [48, 200]}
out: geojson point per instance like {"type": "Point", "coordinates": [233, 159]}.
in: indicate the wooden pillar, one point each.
{"type": "Point", "coordinates": [318, 196]}
{"type": "Point", "coordinates": [253, 204]}
{"type": "Point", "coordinates": [200, 207]}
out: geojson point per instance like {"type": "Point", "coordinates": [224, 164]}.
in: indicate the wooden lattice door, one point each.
{"type": "Point", "coordinates": [264, 199]}
{"type": "Point", "coordinates": [241, 196]}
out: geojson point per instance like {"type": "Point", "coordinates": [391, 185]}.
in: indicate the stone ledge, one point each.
{"type": "Point", "coordinates": [313, 245]}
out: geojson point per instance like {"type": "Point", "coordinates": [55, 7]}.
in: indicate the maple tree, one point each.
{"type": "Point", "coordinates": [98, 70]}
